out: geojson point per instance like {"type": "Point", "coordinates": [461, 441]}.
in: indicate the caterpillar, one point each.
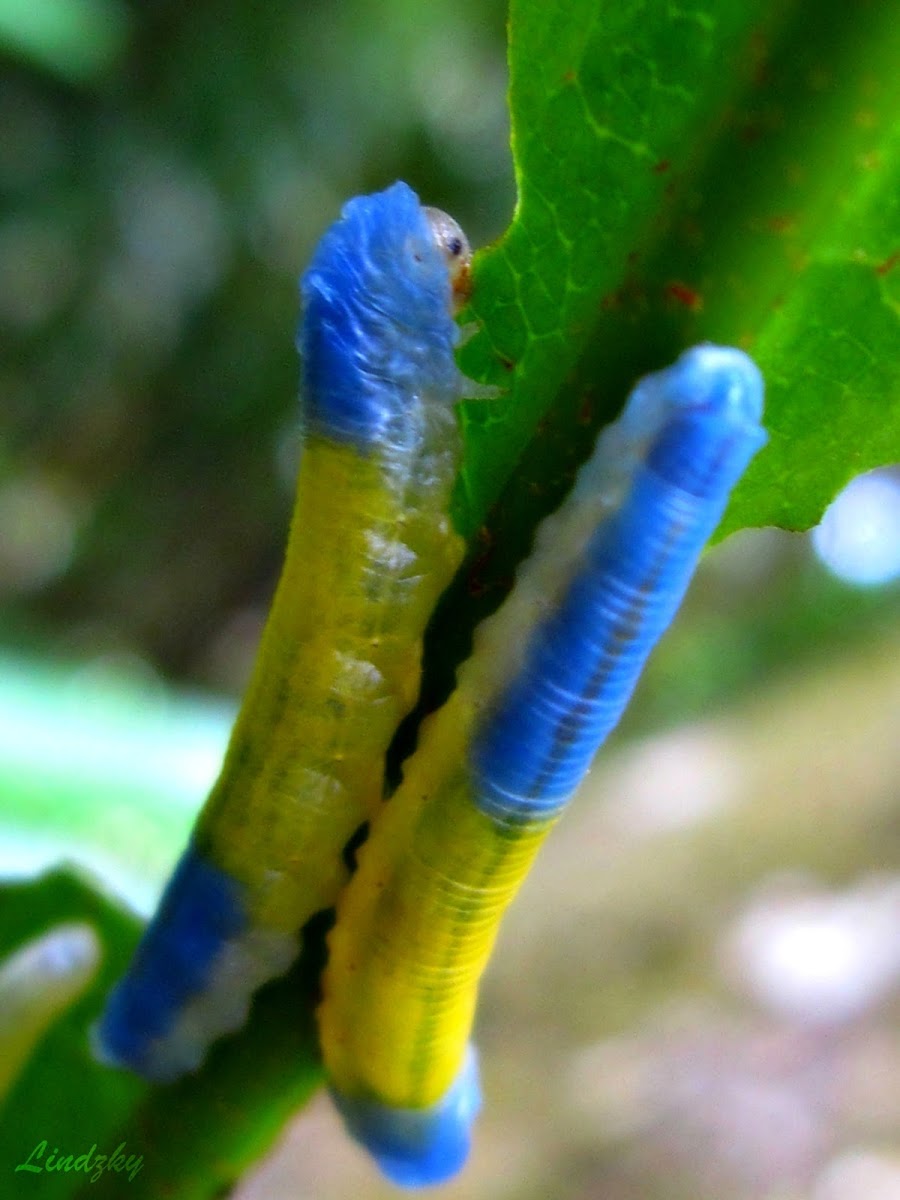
{"type": "Point", "coordinates": [549, 677]}
{"type": "Point", "coordinates": [370, 549]}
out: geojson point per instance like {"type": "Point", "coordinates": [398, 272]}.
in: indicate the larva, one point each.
{"type": "Point", "coordinates": [549, 677]}
{"type": "Point", "coordinates": [369, 552]}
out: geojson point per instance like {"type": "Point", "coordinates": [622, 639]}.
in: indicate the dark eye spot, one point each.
{"type": "Point", "coordinates": [455, 246]}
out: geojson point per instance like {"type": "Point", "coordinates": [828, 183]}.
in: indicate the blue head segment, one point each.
{"type": "Point", "coordinates": [378, 327]}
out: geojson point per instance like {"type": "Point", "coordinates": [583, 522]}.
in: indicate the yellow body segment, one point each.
{"type": "Point", "coordinates": [337, 669]}
{"type": "Point", "coordinates": [418, 921]}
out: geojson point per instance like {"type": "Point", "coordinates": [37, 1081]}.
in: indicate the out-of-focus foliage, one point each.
{"type": "Point", "coordinates": [74, 39]}
{"type": "Point", "coordinates": [153, 224]}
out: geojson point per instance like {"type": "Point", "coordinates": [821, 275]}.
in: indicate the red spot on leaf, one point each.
{"type": "Point", "coordinates": [781, 224]}
{"type": "Point", "coordinates": [683, 295]}
{"type": "Point", "coordinates": [661, 167]}
{"type": "Point", "coordinates": [889, 263]}
{"type": "Point", "coordinates": [631, 294]}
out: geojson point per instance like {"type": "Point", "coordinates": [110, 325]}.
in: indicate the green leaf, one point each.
{"type": "Point", "coordinates": [726, 173]}
{"type": "Point", "coordinates": [196, 1136]}
{"type": "Point", "coordinates": [63, 1097]}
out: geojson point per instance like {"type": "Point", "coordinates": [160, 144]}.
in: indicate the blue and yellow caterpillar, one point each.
{"type": "Point", "coordinates": [549, 677]}
{"type": "Point", "coordinates": [370, 550]}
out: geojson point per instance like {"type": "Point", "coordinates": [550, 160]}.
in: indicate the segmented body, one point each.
{"type": "Point", "coordinates": [549, 678]}
{"type": "Point", "coordinates": [370, 550]}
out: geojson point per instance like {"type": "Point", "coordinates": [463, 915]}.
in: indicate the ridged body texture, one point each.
{"type": "Point", "coordinates": [550, 676]}
{"type": "Point", "coordinates": [369, 552]}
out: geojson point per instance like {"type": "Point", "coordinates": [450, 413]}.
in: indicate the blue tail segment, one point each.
{"type": "Point", "coordinates": [533, 749]}
{"type": "Point", "coordinates": [418, 1147]}
{"type": "Point", "coordinates": [200, 912]}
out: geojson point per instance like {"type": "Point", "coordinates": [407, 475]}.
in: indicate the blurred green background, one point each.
{"type": "Point", "coordinates": [156, 217]}
{"type": "Point", "coordinates": [694, 995]}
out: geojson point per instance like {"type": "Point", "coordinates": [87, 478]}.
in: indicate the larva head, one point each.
{"type": "Point", "coordinates": [454, 245]}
